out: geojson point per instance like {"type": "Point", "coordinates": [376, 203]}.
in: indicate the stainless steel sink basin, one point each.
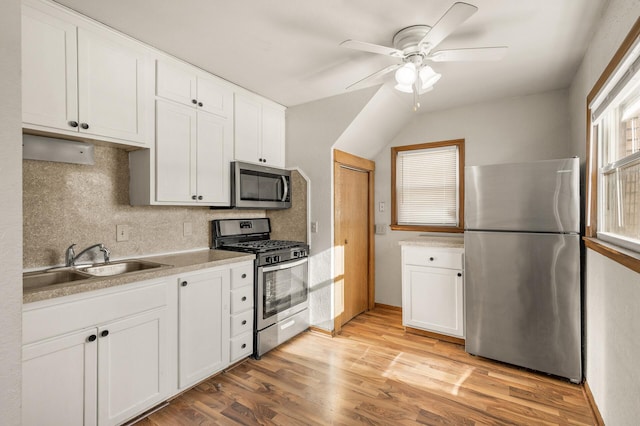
{"type": "Point", "coordinates": [47, 278]}
{"type": "Point", "coordinates": [117, 268]}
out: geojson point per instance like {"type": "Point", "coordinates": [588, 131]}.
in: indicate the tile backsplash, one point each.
{"type": "Point", "coordinates": [72, 203]}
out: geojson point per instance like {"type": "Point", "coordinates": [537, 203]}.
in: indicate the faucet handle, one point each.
{"type": "Point", "coordinates": [106, 252]}
{"type": "Point", "coordinates": [70, 255]}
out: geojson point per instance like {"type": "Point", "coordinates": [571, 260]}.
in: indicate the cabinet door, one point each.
{"type": "Point", "coordinates": [49, 75]}
{"type": "Point", "coordinates": [203, 324]}
{"type": "Point", "coordinates": [175, 82]}
{"type": "Point", "coordinates": [247, 129]}
{"type": "Point", "coordinates": [110, 87]}
{"type": "Point", "coordinates": [132, 364]}
{"type": "Point", "coordinates": [176, 129]}
{"type": "Point", "coordinates": [433, 299]}
{"type": "Point", "coordinates": [214, 97]}
{"type": "Point", "coordinates": [59, 380]}
{"type": "Point", "coordinates": [273, 136]}
{"type": "Point", "coordinates": [214, 153]}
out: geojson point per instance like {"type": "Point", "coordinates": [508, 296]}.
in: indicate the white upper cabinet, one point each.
{"type": "Point", "coordinates": [80, 79]}
{"type": "Point", "coordinates": [259, 131]}
{"type": "Point", "coordinates": [187, 85]}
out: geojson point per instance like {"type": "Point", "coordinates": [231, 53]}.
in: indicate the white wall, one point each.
{"type": "Point", "coordinates": [312, 130]}
{"type": "Point", "coordinates": [525, 128]}
{"type": "Point", "coordinates": [612, 316]}
{"type": "Point", "coordinates": [10, 214]}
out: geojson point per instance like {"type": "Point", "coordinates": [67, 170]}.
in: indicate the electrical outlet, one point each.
{"type": "Point", "coordinates": [122, 233]}
{"type": "Point", "coordinates": [187, 229]}
{"type": "Point", "coordinates": [314, 226]}
{"type": "Point", "coordinates": [381, 206]}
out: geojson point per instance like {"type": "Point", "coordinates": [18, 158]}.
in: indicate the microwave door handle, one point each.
{"type": "Point", "coordinates": [286, 188]}
{"type": "Point", "coordinates": [284, 265]}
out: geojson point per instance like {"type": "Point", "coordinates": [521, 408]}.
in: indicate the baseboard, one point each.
{"type": "Point", "coordinates": [388, 307]}
{"type": "Point", "coordinates": [592, 403]}
{"type": "Point", "coordinates": [328, 333]}
{"type": "Point", "coordinates": [433, 335]}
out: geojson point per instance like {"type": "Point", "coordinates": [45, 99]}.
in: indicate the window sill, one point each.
{"type": "Point", "coordinates": [419, 228]}
{"type": "Point", "coordinates": [627, 258]}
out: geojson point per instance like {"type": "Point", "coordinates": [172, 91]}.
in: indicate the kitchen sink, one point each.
{"type": "Point", "coordinates": [121, 267]}
{"type": "Point", "coordinates": [47, 278]}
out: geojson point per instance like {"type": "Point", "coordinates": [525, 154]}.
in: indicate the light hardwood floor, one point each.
{"type": "Point", "coordinates": [374, 373]}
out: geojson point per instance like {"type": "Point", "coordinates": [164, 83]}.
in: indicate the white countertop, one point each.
{"type": "Point", "coordinates": [433, 241]}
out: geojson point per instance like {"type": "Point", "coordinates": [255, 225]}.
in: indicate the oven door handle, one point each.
{"type": "Point", "coordinates": [286, 188]}
{"type": "Point", "coordinates": [284, 265]}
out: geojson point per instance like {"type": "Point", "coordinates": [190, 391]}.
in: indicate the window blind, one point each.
{"type": "Point", "coordinates": [427, 186]}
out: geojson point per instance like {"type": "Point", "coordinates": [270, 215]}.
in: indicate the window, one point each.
{"type": "Point", "coordinates": [615, 155]}
{"type": "Point", "coordinates": [427, 187]}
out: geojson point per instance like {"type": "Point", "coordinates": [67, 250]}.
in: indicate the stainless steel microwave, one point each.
{"type": "Point", "coordinates": [259, 187]}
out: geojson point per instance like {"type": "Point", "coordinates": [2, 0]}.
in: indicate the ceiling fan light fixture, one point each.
{"type": "Point", "coordinates": [406, 88]}
{"type": "Point", "coordinates": [406, 75]}
{"type": "Point", "coordinates": [428, 77]}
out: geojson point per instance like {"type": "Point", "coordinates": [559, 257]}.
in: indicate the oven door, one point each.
{"type": "Point", "coordinates": [283, 290]}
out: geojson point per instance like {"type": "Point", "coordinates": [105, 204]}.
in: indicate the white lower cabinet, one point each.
{"type": "Point", "coordinates": [109, 369]}
{"type": "Point", "coordinates": [203, 325]}
{"type": "Point", "coordinates": [433, 289]}
{"type": "Point", "coordinates": [241, 299]}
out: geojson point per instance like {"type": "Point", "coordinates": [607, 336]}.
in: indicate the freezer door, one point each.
{"type": "Point", "coordinates": [540, 196]}
{"type": "Point", "coordinates": [522, 300]}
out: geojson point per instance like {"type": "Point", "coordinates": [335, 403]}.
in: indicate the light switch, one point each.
{"type": "Point", "coordinates": [122, 233]}
{"type": "Point", "coordinates": [187, 229]}
{"type": "Point", "coordinates": [314, 226]}
{"type": "Point", "coordinates": [381, 206]}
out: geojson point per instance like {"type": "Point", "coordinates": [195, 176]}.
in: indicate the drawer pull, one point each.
{"type": "Point", "coordinates": [104, 333]}
{"type": "Point", "coordinates": [432, 259]}
{"type": "Point", "coordinates": [244, 298]}
{"type": "Point", "coordinates": [459, 274]}
{"type": "Point", "coordinates": [184, 283]}
{"type": "Point", "coordinates": [244, 322]}
{"type": "Point", "coordinates": [92, 338]}
{"type": "Point", "coordinates": [244, 345]}
{"type": "Point", "coordinates": [244, 275]}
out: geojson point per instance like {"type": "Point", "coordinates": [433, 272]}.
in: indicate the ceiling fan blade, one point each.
{"type": "Point", "coordinates": [372, 48]}
{"type": "Point", "coordinates": [362, 83]}
{"type": "Point", "coordinates": [471, 54]}
{"type": "Point", "coordinates": [456, 15]}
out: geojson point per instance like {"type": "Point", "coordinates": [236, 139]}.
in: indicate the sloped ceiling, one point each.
{"type": "Point", "coordinates": [288, 50]}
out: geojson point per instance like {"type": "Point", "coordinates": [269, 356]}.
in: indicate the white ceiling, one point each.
{"type": "Point", "coordinates": [288, 50]}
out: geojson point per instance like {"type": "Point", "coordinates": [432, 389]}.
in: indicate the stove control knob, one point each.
{"type": "Point", "coordinates": [276, 258]}
{"type": "Point", "coordinates": [268, 259]}
{"type": "Point", "coordinates": [296, 254]}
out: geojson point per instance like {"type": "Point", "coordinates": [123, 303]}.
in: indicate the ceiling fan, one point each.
{"type": "Point", "coordinates": [414, 46]}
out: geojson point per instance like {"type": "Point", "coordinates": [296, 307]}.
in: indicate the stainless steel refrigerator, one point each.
{"type": "Point", "coordinates": [522, 265]}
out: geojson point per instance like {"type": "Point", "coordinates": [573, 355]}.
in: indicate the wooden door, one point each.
{"type": "Point", "coordinates": [352, 239]}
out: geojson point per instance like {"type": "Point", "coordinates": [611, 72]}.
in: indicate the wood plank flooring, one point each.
{"type": "Point", "coordinates": [373, 373]}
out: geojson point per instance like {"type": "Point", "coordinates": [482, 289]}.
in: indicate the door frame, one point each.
{"type": "Point", "coordinates": [341, 158]}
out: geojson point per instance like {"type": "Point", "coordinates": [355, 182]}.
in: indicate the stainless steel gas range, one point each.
{"type": "Point", "coordinates": [281, 284]}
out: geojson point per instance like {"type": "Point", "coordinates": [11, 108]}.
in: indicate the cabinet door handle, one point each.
{"type": "Point", "coordinates": [104, 333]}
{"type": "Point", "coordinates": [431, 259]}
{"type": "Point", "coordinates": [200, 104]}
{"type": "Point", "coordinates": [194, 197]}
{"type": "Point", "coordinates": [459, 274]}
{"type": "Point", "coordinates": [244, 298]}
{"type": "Point", "coordinates": [199, 197]}
{"type": "Point", "coordinates": [194, 101]}
{"type": "Point", "coordinates": [84, 126]}
{"type": "Point", "coordinates": [184, 283]}
{"type": "Point", "coordinates": [244, 275]}
{"type": "Point", "coordinates": [244, 345]}
{"type": "Point", "coordinates": [73, 123]}
{"type": "Point", "coordinates": [244, 322]}
{"type": "Point", "coordinates": [92, 338]}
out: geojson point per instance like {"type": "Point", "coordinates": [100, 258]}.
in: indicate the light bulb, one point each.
{"type": "Point", "coordinates": [406, 74]}
{"type": "Point", "coordinates": [406, 88]}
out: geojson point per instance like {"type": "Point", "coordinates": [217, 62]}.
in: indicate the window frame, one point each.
{"type": "Point", "coordinates": [619, 254]}
{"type": "Point", "coordinates": [459, 143]}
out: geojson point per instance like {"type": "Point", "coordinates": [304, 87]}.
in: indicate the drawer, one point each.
{"type": "Point", "coordinates": [241, 299]}
{"type": "Point", "coordinates": [241, 276]}
{"type": "Point", "coordinates": [241, 323]}
{"type": "Point", "coordinates": [432, 257]}
{"type": "Point", "coordinates": [241, 346]}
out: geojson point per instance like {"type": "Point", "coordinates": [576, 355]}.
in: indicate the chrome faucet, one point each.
{"type": "Point", "coordinates": [70, 255]}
